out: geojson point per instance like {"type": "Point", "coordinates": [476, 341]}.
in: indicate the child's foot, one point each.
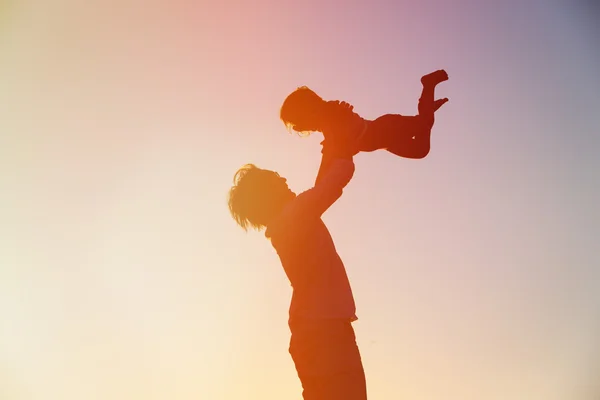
{"type": "Point", "coordinates": [434, 78]}
{"type": "Point", "coordinates": [438, 103]}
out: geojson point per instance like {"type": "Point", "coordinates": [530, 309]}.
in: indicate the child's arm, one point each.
{"type": "Point", "coordinates": [337, 115]}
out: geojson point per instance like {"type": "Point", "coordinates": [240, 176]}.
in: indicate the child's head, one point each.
{"type": "Point", "coordinates": [301, 110]}
{"type": "Point", "coordinates": [257, 196]}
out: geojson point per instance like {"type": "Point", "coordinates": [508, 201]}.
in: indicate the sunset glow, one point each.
{"type": "Point", "coordinates": [123, 276]}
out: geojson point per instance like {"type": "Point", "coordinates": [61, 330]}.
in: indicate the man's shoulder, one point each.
{"type": "Point", "coordinates": [290, 227]}
{"type": "Point", "coordinates": [292, 220]}
{"type": "Point", "coordinates": [280, 224]}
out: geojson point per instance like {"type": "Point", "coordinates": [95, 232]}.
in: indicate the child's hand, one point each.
{"type": "Point", "coordinates": [347, 106]}
{"type": "Point", "coordinates": [339, 116]}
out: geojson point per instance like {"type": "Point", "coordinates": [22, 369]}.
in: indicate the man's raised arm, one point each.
{"type": "Point", "coordinates": [335, 171]}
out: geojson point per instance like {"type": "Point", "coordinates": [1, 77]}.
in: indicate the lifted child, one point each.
{"type": "Point", "coordinates": [406, 136]}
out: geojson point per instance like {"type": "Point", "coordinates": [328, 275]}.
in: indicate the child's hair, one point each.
{"type": "Point", "coordinates": [246, 199]}
{"type": "Point", "coordinates": [298, 103]}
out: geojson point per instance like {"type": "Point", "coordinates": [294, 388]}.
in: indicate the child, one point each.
{"type": "Point", "coordinates": [406, 136]}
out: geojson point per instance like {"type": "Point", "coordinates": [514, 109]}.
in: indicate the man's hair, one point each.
{"type": "Point", "coordinates": [296, 105]}
{"type": "Point", "coordinates": [246, 200]}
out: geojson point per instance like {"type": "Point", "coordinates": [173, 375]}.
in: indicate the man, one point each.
{"type": "Point", "coordinates": [323, 345]}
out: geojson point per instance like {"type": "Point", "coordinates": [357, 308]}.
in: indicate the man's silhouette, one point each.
{"type": "Point", "coordinates": [322, 345]}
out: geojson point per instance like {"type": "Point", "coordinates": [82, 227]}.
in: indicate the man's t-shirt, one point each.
{"type": "Point", "coordinates": [321, 289]}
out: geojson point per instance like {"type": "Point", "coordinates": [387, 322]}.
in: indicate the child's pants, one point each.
{"type": "Point", "coordinates": [327, 360]}
{"type": "Point", "coordinates": [390, 132]}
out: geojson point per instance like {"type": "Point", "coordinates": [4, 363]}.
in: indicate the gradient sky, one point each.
{"type": "Point", "coordinates": [122, 276]}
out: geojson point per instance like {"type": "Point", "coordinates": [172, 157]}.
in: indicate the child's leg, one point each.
{"type": "Point", "coordinates": [407, 136]}
{"type": "Point", "coordinates": [426, 101]}
{"type": "Point", "coordinates": [404, 136]}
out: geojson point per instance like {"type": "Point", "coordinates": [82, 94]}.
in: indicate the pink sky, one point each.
{"type": "Point", "coordinates": [122, 275]}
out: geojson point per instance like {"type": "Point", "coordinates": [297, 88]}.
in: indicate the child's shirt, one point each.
{"type": "Point", "coordinates": [321, 288]}
{"type": "Point", "coordinates": [343, 123]}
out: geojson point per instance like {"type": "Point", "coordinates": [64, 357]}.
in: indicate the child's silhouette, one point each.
{"type": "Point", "coordinates": [406, 136]}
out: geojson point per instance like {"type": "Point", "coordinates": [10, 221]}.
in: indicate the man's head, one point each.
{"type": "Point", "coordinates": [257, 196]}
{"type": "Point", "coordinates": [301, 110]}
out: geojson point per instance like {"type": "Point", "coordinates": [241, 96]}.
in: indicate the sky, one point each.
{"type": "Point", "coordinates": [122, 276]}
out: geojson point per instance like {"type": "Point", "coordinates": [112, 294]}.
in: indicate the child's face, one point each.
{"type": "Point", "coordinates": [307, 122]}
{"type": "Point", "coordinates": [307, 117]}
{"type": "Point", "coordinates": [302, 110]}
